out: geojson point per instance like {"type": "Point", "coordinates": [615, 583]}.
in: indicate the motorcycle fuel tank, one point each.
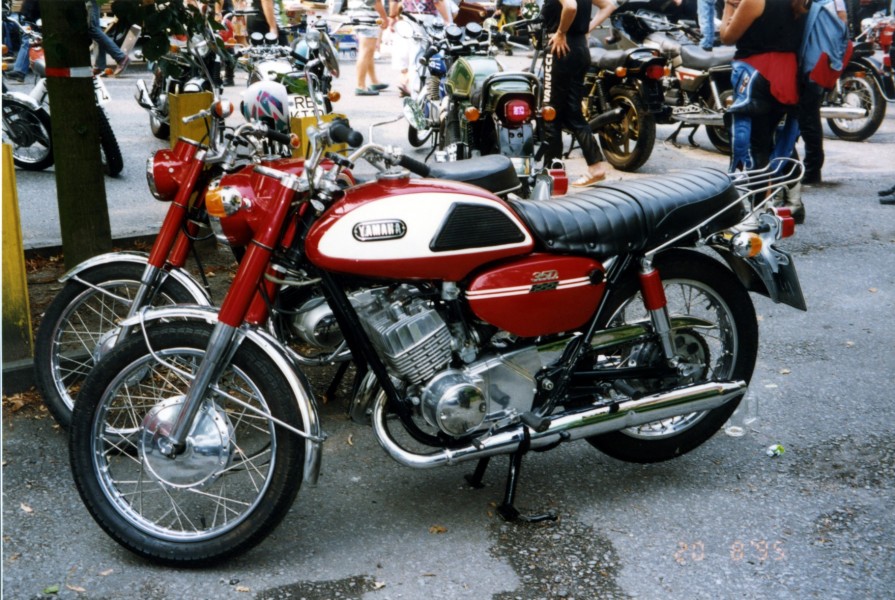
{"type": "Point", "coordinates": [416, 229]}
{"type": "Point", "coordinates": [539, 294]}
{"type": "Point", "coordinates": [468, 73]}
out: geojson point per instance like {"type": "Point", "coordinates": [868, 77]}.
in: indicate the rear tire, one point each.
{"type": "Point", "coordinates": [229, 489]}
{"type": "Point", "coordinates": [28, 131]}
{"type": "Point", "coordinates": [695, 285]}
{"type": "Point", "coordinates": [113, 162]}
{"type": "Point", "coordinates": [628, 143]}
{"type": "Point", "coordinates": [859, 92]}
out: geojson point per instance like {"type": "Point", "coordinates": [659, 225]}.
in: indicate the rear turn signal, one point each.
{"type": "Point", "coordinates": [334, 96]}
{"type": "Point", "coordinates": [222, 109]}
{"type": "Point", "coordinates": [746, 244]}
{"type": "Point", "coordinates": [472, 114]}
{"type": "Point", "coordinates": [621, 71]}
{"type": "Point", "coordinates": [548, 113]}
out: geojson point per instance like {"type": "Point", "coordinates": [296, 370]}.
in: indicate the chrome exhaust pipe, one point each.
{"type": "Point", "coordinates": [571, 426]}
{"type": "Point", "coordinates": [703, 118]}
{"type": "Point", "coordinates": [842, 112]}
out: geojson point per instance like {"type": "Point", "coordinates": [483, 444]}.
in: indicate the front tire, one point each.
{"type": "Point", "coordinates": [628, 143]}
{"type": "Point", "coordinates": [696, 285]}
{"type": "Point", "coordinates": [859, 92]}
{"type": "Point", "coordinates": [28, 131]}
{"type": "Point", "coordinates": [80, 324]}
{"type": "Point", "coordinates": [232, 485]}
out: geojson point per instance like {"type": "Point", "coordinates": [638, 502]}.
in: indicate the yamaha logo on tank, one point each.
{"type": "Point", "coordinates": [374, 231]}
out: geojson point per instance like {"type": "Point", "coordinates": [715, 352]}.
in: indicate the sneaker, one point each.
{"type": "Point", "coordinates": [121, 66]}
{"type": "Point", "coordinates": [365, 92]}
{"type": "Point", "coordinates": [378, 86]}
{"type": "Point", "coordinates": [16, 76]}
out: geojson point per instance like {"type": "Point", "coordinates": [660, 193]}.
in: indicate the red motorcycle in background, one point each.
{"type": "Point", "coordinates": [485, 327]}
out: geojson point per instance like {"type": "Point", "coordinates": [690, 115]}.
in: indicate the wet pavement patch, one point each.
{"type": "Point", "coordinates": [348, 589]}
{"type": "Point", "coordinates": [565, 559]}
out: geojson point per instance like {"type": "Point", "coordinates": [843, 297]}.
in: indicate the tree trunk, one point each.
{"type": "Point", "coordinates": [80, 189]}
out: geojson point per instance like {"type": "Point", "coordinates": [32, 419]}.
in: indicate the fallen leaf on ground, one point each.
{"type": "Point", "coordinates": [785, 371]}
{"type": "Point", "coordinates": [438, 529]}
{"type": "Point", "coordinates": [242, 588]}
{"type": "Point", "coordinates": [350, 439]}
{"type": "Point", "coordinates": [76, 588]}
{"type": "Point", "coordinates": [873, 290]}
{"type": "Point", "coordinates": [26, 508]}
{"type": "Point", "coordinates": [378, 585]}
{"type": "Point", "coordinates": [52, 589]}
{"type": "Point", "coordinates": [106, 573]}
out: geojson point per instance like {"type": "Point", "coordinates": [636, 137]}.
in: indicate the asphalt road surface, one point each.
{"type": "Point", "coordinates": [725, 521]}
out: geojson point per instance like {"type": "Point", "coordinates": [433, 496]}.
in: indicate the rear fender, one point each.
{"type": "Point", "coordinates": [311, 430]}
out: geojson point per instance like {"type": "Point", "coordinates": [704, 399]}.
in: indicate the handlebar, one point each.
{"type": "Point", "coordinates": [341, 133]}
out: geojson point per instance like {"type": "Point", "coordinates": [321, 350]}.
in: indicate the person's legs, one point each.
{"type": "Point", "coordinates": [23, 62]}
{"type": "Point", "coordinates": [812, 131]}
{"type": "Point", "coordinates": [366, 47]}
{"type": "Point", "coordinates": [106, 45]}
{"type": "Point", "coordinates": [706, 16]}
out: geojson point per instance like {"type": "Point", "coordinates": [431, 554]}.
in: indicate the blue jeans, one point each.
{"type": "Point", "coordinates": [705, 12]}
{"type": "Point", "coordinates": [105, 43]}
{"type": "Point", "coordinates": [23, 62]}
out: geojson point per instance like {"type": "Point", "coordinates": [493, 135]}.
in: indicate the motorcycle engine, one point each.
{"type": "Point", "coordinates": [417, 346]}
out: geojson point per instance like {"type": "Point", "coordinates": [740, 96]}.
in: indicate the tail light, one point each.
{"type": "Point", "coordinates": [787, 223]}
{"type": "Point", "coordinates": [517, 112]}
{"type": "Point", "coordinates": [655, 71]}
{"type": "Point", "coordinates": [166, 169]}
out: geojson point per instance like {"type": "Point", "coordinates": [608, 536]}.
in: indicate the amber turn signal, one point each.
{"type": "Point", "coordinates": [621, 71]}
{"type": "Point", "coordinates": [548, 113]}
{"type": "Point", "coordinates": [334, 96]}
{"type": "Point", "coordinates": [746, 244]}
{"type": "Point", "coordinates": [472, 114]}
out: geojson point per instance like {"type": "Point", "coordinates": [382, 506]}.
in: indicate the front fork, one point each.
{"type": "Point", "coordinates": [653, 292]}
{"type": "Point", "coordinates": [234, 310]}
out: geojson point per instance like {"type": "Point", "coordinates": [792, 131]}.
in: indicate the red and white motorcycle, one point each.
{"type": "Point", "coordinates": [487, 327]}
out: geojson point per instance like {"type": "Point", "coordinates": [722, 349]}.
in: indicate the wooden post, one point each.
{"type": "Point", "coordinates": [81, 192]}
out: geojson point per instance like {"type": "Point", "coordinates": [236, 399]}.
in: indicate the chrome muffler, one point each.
{"type": "Point", "coordinates": [842, 112]}
{"type": "Point", "coordinates": [567, 427]}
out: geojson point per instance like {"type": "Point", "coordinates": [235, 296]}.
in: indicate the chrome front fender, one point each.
{"type": "Point", "coordinates": [312, 431]}
{"type": "Point", "coordinates": [24, 99]}
{"type": "Point", "coordinates": [199, 294]}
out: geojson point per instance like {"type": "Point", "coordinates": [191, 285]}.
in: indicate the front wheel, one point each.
{"type": "Point", "coordinates": [28, 132]}
{"type": "Point", "coordinates": [859, 92]}
{"type": "Point", "coordinates": [724, 348]}
{"type": "Point", "coordinates": [228, 489]}
{"type": "Point", "coordinates": [628, 143]}
{"type": "Point", "coordinates": [81, 324]}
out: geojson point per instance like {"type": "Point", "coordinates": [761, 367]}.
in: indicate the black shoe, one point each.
{"type": "Point", "coordinates": [812, 178]}
{"type": "Point", "coordinates": [798, 214]}
{"type": "Point", "coordinates": [229, 83]}
{"type": "Point", "coordinates": [16, 76]}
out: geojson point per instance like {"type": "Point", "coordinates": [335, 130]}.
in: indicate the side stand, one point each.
{"type": "Point", "coordinates": [507, 510]}
{"type": "Point", "coordinates": [673, 137]}
{"type": "Point", "coordinates": [330, 393]}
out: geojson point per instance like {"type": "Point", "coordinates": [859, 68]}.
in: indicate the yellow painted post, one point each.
{"type": "Point", "coordinates": [17, 341]}
{"type": "Point", "coordinates": [299, 125]}
{"type": "Point", "coordinates": [187, 105]}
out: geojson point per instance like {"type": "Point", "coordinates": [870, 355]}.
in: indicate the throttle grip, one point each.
{"type": "Point", "coordinates": [341, 132]}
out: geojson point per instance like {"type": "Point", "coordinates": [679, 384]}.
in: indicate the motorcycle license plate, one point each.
{"type": "Point", "coordinates": [102, 94]}
{"type": "Point", "coordinates": [301, 106]}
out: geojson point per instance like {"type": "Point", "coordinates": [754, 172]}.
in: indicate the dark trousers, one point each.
{"type": "Point", "coordinates": [566, 77]}
{"type": "Point", "coordinates": [811, 128]}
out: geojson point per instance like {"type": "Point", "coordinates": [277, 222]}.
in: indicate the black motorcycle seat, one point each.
{"type": "Point", "coordinates": [609, 59]}
{"type": "Point", "coordinates": [494, 172]}
{"type": "Point", "coordinates": [632, 216]}
{"type": "Point", "coordinates": [696, 58]}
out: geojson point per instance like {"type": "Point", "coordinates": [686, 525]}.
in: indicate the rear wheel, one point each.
{"type": "Point", "coordinates": [81, 323]}
{"type": "Point", "coordinates": [628, 143]}
{"type": "Point", "coordinates": [719, 136]}
{"type": "Point", "coordinates": [113, 162]}
{"type": "Point", "coordinates": [237, 477]}
{"type": "Point", "coordinates": [859, 92]}
{"type": "Point", "coordinates": [724, 349]}
{"type": "Point", "coordinates": [28, 132]}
